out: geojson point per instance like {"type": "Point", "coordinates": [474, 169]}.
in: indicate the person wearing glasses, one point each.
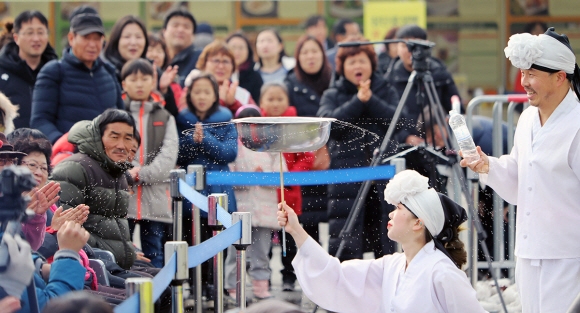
{"type": "Point", "coordinates": [217, 59]}
{"type": "Point", "coordinates": [21, 61]}
{"type": "Point", "coordinates": [34, 150]}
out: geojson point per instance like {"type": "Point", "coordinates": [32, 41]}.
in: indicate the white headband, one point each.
{"type": "Point", "coordinates": [523, 50]}
{"type": "Point", "coordinates": [412, 189]}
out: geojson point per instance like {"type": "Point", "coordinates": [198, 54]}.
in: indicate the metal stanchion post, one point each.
{"type": "Point", "coordinates": [176, 202]}
{"type": "Point", "coordinates": [218, 260]}
{"type": "Point", "coordinates": [181, 273]}
{"type": "Point", "coordinates": [241, 245]}
{"type": "Point", "coordinates": [199, 185]}
{"type": "Point", "coordinates": [144, 286]}
{"type": "Point", "coordinates": [400, 164]}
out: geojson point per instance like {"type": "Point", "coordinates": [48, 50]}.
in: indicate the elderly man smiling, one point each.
{"type": "Point", "coordinates": [94, 176]}
{"type": "Point", "coordinates": [541, 175]}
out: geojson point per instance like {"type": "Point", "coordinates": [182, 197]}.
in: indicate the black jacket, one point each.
{"type": "Point", "coordinates": [251, 80]}
{"type": "Point", "coordinates": [17, 79]}
{"type": "Point", "coordinates": [90, 177]}
{"type": "Point", "coordinates": [350, 147]}
{"type": "Point", "coordinates": [385, 63]}
{"type": "Point", "coordinates": [442, 80]}
{"type": "Point", "coordinates": [67, 91]}
{"type": "Point", "coordinates": [186, 60]}
{"type": "Point", "coordinates": [304, 98]}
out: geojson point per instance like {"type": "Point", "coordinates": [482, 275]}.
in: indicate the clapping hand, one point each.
{"type": "Point", "coordinates": [167, 78]}
{"type": "Point", "coordinates": [78, 214]}
{"type": "Point", "coordinates": [228, 92]}
{"type": "Point", "coordinates": [198, 133]}
{"type": "Point", "coordinates": [44, 198]}
{"type": "Point", "coordinates": [364, 93]}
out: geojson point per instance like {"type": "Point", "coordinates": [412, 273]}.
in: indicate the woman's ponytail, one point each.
{"type": "Point", "coordinates": [456, 248]}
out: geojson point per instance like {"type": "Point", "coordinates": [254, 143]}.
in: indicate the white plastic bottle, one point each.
{"type": "Point", "coordinates": [464, 139]}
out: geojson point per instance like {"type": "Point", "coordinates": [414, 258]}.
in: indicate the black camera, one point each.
{"type": "Point", "coordinates": [14, 180]}
{"type": "Point", "coordinates": [420, 50]}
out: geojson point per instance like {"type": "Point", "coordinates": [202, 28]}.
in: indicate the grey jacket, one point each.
{"type": "Point", "coordinates": [150, 194]}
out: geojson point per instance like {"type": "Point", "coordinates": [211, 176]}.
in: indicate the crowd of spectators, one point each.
{"type": "Point", "coordinates": [101, 127]}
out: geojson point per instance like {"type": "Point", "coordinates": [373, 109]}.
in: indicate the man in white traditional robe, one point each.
{"type": "Point", "coordinates": [541, 175]}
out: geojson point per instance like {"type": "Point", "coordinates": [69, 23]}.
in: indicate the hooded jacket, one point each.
{"type": "Point", "coordinates": [92, 178]}
{"type": "Point", "coordinates": [67, 91]}
{"type": "Point", "coordinates": [157, 155]}
{"type": "Point", "coordinates": [17, 79]}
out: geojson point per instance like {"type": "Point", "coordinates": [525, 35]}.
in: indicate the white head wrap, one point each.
{"type": "Point", "coordinates": [523, 50]}
{"type": "Point", "coordinates": [412, 189]}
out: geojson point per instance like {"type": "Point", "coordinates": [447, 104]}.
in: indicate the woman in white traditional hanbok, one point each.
{"type": "Point", "coordinates": [425, 278]}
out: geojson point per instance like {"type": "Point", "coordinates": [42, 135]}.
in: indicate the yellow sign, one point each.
{"type": "Point", "coordinates": [379, 17]}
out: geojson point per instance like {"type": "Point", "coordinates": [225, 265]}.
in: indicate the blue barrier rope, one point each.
{"type": "Point", "coordinates": [200, 201]}
{"type": "Point", "coordinates": [195, 256]}
{"type": "Point", "coordinates": [131, 305]}
{"type": "Point", "coordinates": [341, 176]}
{"type": "Point", "coordinates": [207, 249]}
{"type": "Point", "coordinates": [202, 252]}
{"type": "Point", "coordinates": [164, 277]}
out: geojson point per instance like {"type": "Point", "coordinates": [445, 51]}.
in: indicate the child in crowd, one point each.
{"type": "Point", "coordinates": [213, 146]}
{"type": "Point", "coordinates": [157, 52]}
{"type": "Point", "coordinates": [261, 202]}
{"type": "Point", "coordinates": [274, 102]}
{"type": "Point", "coordinates": [155, 157]}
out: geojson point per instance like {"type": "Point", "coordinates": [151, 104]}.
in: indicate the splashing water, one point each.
{"type": "Point", "coordinates": [356, 133]}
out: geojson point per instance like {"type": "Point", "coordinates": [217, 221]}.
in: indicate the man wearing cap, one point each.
{"type": "Point", "coordinates": [78, 87]}
{"type": "Point", "coordinates": [541, 175]}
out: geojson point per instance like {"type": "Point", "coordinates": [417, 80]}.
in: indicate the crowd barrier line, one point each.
{"type": "Point", "coordinates": [308, 178]}
{"type": "Point", "coordinates": [207, 249]}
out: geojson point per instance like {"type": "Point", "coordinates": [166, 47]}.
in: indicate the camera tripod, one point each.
{"type": "Point", "coordinates": [421, 78]}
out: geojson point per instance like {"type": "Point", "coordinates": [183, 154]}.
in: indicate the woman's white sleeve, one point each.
{"type": "Point", "coordinates": [353, 286]}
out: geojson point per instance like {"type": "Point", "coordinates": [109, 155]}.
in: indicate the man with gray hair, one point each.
{"type": "Point", "coordinates": [542, 173]}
